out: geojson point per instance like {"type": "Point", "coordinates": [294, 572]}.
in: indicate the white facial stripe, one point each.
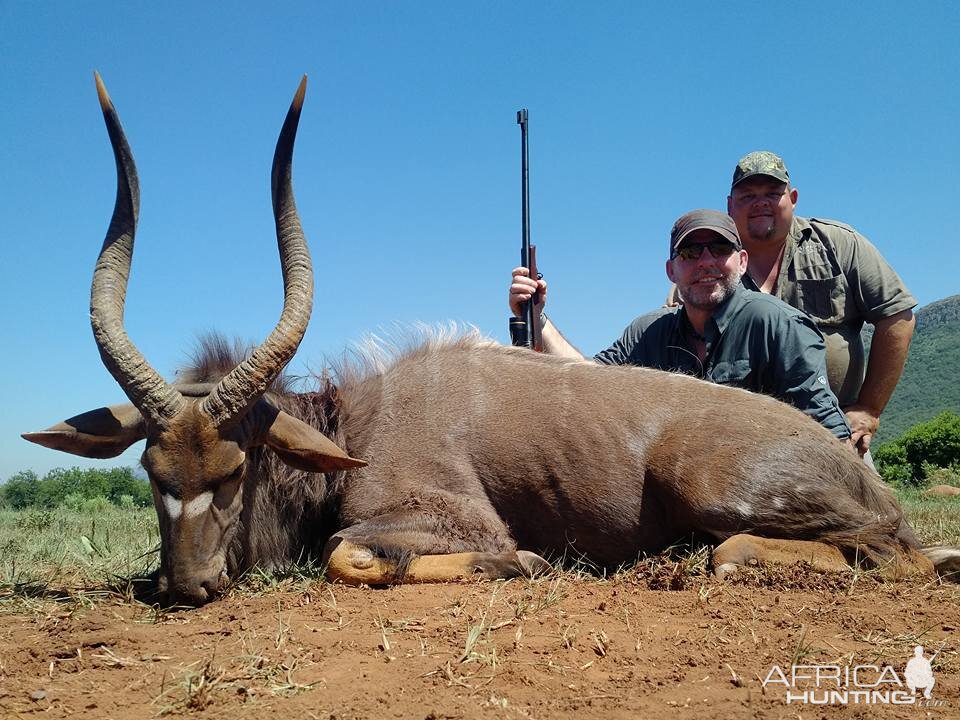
{"type": "Point", "coordinates": [198, 505]}
{"type": "Point", "coordinates": [172, 505]}
{"type": "Point", "coordinates": [191, 509]}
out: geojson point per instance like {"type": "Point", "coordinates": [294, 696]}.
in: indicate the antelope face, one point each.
{"type": "Point", "coordinates": [196, 473]}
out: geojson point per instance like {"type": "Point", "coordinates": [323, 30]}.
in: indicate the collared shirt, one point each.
{"type": "Point", "coordinates": [754, 341]}
{"type": "Point", "coordinates": [833, 274]}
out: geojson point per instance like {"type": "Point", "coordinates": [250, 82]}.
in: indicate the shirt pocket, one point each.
{"type": "Point", "coordinates": [824, 299]}
{"type": "Point", "coordinates": [732, 372]}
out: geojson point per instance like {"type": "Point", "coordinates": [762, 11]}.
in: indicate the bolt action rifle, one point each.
{"type": "Point", "coordinates": [525, 330]}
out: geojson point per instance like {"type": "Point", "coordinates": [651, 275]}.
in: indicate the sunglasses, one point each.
{"type": "Point", "coordinates": [718, 248]}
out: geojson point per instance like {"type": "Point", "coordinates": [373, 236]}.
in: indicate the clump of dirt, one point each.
{"type": "Point", "coordinates": [801, 576]}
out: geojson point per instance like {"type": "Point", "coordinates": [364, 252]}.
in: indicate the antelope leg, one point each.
{"type": "Point", "coordinates": [742, 550]}
{"type": "Point", "coordinates": [355, 564]}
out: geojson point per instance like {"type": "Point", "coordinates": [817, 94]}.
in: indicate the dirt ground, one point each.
{"type": "Point", "coordinates": [565, 646]}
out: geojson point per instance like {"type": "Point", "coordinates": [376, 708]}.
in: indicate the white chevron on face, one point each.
{"type": "Point", "coordinates": [190, 509]}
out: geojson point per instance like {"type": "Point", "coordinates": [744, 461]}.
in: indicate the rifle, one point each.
{"type": "Point", "coordinates": [525, 330]}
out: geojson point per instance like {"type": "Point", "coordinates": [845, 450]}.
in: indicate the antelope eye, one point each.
{"type": "Point", "coordinates": [167, 488]}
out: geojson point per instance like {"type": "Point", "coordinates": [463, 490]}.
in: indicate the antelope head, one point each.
{"type": "Point", "coordinates": [196, 441]}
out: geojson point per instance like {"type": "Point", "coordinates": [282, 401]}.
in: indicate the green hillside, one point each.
{"type": "Point", "coordinates": [931, 380]}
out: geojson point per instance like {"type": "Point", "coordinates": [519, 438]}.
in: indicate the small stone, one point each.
{"type": "Point", "coordinates": [38, 695]}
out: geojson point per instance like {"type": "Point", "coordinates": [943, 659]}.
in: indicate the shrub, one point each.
{"type": "Point", "coordinates": [74, 501]}
{"type": "Point", "coordinates": [936, 442]}
{"type": "Point", "coordinates": [921, 450]}
{"type": "Point", "coordinates": [35, 520]}
{"type": "Point", "coordinates": [892, 464]}
{"type": "Point", "coordinates": [22, 490]}
{"type": "Point", "coordinates": [94, 505]}
{"type": "Point", "coordinates": [72, 487]}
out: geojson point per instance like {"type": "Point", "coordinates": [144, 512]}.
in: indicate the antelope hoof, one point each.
{"type": "Point", "coordinates": [531, 565]}
{"type": "Point", "coordinates": [723, 570]}
{"type": "Point", "coordinates": [361, 558]}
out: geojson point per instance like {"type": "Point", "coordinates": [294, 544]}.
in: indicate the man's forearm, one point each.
{"type": "Point", "coordinates": [888, 354]}
{"type": "Point", "coordinates": [556, 344]}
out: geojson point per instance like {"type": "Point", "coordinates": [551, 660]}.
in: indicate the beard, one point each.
{"type": "Point", "coordinates": [707, 297]}
{"type": "Point", "coordinates": [761, 228]}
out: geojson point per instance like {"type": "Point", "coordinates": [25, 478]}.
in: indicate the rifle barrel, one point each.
{"type": "Point", "coordinates": [525, 259]}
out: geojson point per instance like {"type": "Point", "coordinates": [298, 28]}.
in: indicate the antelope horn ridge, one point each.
{"type": "Point", "coordinates": [241, 388]}
{"type": "Point", "coordinates": [146, 389]}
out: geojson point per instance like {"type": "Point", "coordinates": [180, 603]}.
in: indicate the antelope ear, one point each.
{"type": "Point", "coordinates": [102, 433]}
{"type": "Point", "coordinates": [301, 446]}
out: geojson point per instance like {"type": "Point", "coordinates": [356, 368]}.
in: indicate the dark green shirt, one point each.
{"type": "Point", "coordinates": [754, 341]}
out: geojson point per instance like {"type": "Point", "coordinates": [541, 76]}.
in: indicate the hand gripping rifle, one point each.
{"type": "Point", "coordinates": [525, 330]}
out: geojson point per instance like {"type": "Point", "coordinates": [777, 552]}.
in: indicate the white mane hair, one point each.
{"type": "Point", "coordinates": [376, 352]}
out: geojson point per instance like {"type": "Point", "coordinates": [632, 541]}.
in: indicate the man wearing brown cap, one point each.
{"type": "Point", "coordinates": [722, 333]}
{"type": "Point", "coordinates": [832, 273]}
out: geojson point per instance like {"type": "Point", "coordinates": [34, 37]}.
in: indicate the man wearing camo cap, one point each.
{"type": "Point", "coordinates": [832, 273]}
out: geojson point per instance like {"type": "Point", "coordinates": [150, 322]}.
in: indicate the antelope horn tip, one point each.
{"type": "Point", "coordinates": [105, 102]}
{"type": "Point", "coordinates": [301, 91]}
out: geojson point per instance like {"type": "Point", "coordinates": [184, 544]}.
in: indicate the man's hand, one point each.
{"type": "Point", "coordinates": [523, 288]}
{"type": "Point", "coordinates": [864, 423]}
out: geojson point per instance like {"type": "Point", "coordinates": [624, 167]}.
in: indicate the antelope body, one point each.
{"type": "Point", "coordinates": [619, 461]}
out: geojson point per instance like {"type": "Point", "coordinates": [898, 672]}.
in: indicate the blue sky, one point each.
{"type": "Point", "coordinates": [407, 162]}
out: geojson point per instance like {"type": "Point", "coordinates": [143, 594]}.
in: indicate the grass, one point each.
{"type": "Point", "coordinates": [62, 551]}
{"type": "Point", "coordinates": [936, 520]}
{"type": "Point", "coordinates": [208, 682]}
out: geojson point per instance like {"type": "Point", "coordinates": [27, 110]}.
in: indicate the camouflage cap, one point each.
{"type": "Point", "coordinates": [718, 222]}
{"type": "Point", "coordinates": [760, 162]}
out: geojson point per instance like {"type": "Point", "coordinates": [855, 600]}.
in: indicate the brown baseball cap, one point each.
{"type": "Point", "coordinates": [718, 222]}
{"type": "Point", "coordinates": [760, 162]}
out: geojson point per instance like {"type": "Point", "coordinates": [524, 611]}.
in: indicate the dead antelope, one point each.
{"type": "Point", "coordinates": [621, 461]}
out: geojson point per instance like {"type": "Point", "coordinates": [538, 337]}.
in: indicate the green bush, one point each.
{"type": "Point", "coordinates": [74, 501]}
{"type": "Point", "coordinates": [121, 481]}
{"type": "Point", "coordinates": [36, 520]}
{"type": "Point", "coordinates": [94, 505]}
{"type": "Point", "coordinates": [892, 464]}
{"type": "Point", "coordinates": [73, 487]}
{"type": "Point", "coordinates": [60, 482]}
{"type": "Point", "coordinates": [921, 450]}
{"type": "Point", "coordinates": [21, 490]}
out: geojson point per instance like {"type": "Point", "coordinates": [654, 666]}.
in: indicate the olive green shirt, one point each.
{"type": "Point", "coordinates": [833, 274]}
{"type": "Point", "coordinates": [754, 341]}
